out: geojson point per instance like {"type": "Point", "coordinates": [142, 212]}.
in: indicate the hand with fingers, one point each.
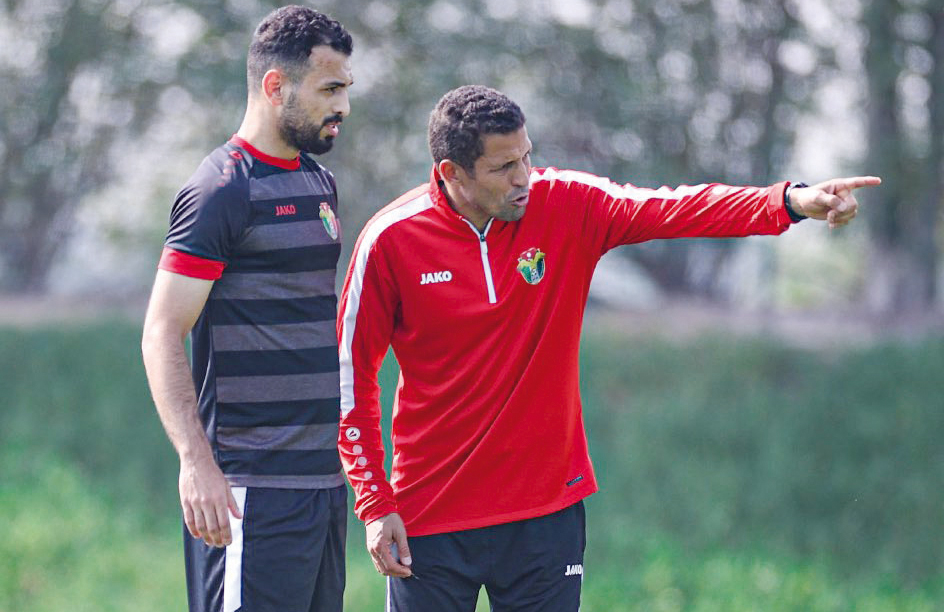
{"type": "Point", "coordinates": [831, 201]}
{"type": "Point", "coordinates": [207, 501]}
{"type": "Point", "coordinates": [388, 547]}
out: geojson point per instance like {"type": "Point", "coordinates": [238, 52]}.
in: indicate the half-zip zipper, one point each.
{"type": "Point", "coordinates": [486, 267]}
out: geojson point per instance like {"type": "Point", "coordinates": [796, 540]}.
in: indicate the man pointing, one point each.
{"type": "Point", "coordinates": [479, 280]}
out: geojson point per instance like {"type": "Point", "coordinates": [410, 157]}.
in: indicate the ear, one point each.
{"type": "Point", "coordinates": [451, 171]}
{"type": "Point", "coordinates": [272, 83]}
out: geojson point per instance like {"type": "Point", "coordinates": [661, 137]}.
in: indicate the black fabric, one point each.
{"type": "Point", "coordinates": [534, 565]}
{"type": "Point", "coordinates": [293, 554]}
{"type": "Point", "coordinates": [275, 312]}
{"type": "Point", "coordinates": [274, 363]}
{"type": "Point", "coordinates": [289, 413]}
{"type": "Point", "coordinates": [276, 463]}
{"type": "Point", "coordinates": [296, 259]}
{"type": "Point", "coordinates": [204, 566]}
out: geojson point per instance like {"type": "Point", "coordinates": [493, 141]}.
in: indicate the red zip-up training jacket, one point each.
{"type": "Point", "coordinates": [487, 422]}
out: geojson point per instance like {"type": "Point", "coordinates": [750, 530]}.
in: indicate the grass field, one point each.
{"type": "Point", "coordinates": [735, 476]}
{"type": "Point", "coordinates": [69, 547]}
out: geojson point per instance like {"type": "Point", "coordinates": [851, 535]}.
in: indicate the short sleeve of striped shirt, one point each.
{"type": "Point", "coordinates": [209, 216]}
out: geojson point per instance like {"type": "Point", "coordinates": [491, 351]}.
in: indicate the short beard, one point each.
{"type": "Point", "coordinates": [301, 133]}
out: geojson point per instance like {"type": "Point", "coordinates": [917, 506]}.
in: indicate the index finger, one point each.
{"type": "Point", "coordinates": [855, 182]}
{"type": "Point", "coordinates": [222, 517]}
{"type": "Point", "coordinates": [190, 521]}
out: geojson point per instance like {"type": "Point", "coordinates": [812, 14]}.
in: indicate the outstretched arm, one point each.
{"type": "Point", "coordinates": [831, 201]}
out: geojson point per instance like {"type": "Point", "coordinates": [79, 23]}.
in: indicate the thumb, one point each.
{"type": "Point", "coordinates": [399, 538]}
{"type": "Point", "coordinates": [829, 201]}
{"type": "Point", "coordinates": [233, 506]}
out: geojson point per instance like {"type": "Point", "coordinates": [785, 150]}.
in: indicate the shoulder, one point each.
{"type": "Point", "coordinates": [554, 177]}
{"type": "Point", "coordinates": [222, 177]}
{"type": "Point", "coordinates": [580, 186]}
{"type": "Point", "coordinates": [406, 208]}
{"type": "Point", "coordinates": [553, 187]}
{"type": "Point", "coordinates": [323, 177]}
{"type": "Point", "coordinates": [311, 164]}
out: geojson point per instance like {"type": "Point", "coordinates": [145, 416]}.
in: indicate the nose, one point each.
{"type": "Point", "coordinates": [342, 104]}
{"type": "Point", "coordinates": [522, 174]}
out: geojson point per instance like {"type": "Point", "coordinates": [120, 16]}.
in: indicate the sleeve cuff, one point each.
{"type": "Point", "coordinates": [379, 511]}
{"type": "Point", "coordinates": [190, 265]}
{"type": "Point", "coordinates": [795, 217]}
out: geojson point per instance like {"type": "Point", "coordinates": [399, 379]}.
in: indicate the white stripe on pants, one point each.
{"type": "Point", "coordinates": [233, 565]}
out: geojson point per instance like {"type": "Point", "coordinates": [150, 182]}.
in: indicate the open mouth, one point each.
{"type": "Point", "coordinates": [333, 129]}
{"type": "Point", "coordinates": [521, 200]}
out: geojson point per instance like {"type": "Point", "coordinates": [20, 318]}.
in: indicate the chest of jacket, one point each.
{"type": "Point", "coordinates": [451, 278]}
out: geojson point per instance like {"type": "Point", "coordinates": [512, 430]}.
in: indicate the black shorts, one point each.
{"type": "Point", "coordinates": [287, 554]}
{"type": "Point", "coordinates": [531, 565]}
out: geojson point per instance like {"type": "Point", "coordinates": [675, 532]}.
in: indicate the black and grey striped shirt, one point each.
{"type": "Point", "coordinates": [265, 358]}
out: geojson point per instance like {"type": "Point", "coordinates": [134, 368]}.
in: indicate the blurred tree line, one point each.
{"type": "Point", "coordinates": [108, 105]}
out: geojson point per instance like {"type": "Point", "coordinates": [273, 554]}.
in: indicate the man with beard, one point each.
{"type": "Point", "coordinates": [248, 269]}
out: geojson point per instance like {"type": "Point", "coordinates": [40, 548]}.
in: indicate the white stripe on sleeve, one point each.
{"type": "Point", "coordinates": [356, 286]}
{"type": "Point", "coordinates": [628, 192]}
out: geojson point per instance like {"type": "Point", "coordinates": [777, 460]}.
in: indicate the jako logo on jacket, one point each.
{"type": "Point", "coordinates": [436, 277]}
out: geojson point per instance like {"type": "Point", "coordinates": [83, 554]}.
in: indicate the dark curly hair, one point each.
{"type": "Point", "coordinates": [285, 39]}
{"type": "Point", "coordinates": [463, 116]}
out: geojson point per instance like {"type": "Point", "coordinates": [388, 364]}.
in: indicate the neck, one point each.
{"type": "Point", "coordinates": [261, 131]}
{"type": "Point", "coordinates": [472, 213]}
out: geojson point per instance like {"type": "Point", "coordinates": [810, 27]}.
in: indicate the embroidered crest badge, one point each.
{"type": "Point", "coordinates": [531, 265]}
{"type": "Point", "coordinates": [329, 221]}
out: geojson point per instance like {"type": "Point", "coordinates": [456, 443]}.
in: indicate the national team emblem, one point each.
{"type": "Point", "coordinates": [531, 265]}
{"type": "Point", "coordinates": [329, 221]}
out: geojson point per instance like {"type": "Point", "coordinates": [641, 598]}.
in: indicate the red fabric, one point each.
{"type": "Point", "coordinates": [190, 265]}
{"type": "Point", "coordinates": [278, 162]}
{"type": "Point", "coordinates": [487, 423]}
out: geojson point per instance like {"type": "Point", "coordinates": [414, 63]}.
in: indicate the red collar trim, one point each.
{"type": "Point", "coordinates": [438, 195]}
{"type": "Point", "coordinates": [436, 192]}
{"type": "Point", "coordinates": [278, 162]}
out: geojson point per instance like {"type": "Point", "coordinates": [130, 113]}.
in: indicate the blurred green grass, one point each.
{"type": "Point", "coordinates": [735, 475]}
{"type": "Point", "coordinates": [66, 546]}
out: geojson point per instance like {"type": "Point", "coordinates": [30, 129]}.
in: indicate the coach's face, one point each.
{"type": "Point", "coordinates": [316, 105]}
{"type": "Point", "coordinates": [498, 185]}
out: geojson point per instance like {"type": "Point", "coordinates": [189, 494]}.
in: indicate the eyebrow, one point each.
{"type": "Point", "coordinates": [506, 162]}
{"type": "Point", "coordinates": [337, 83]}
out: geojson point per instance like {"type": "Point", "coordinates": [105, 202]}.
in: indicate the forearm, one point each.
{"type": "Point", "coordinates": [172, 389]}
{"type": "Point", "coordinates": [361, 449]}
{"type": "Point", "coordinates": [723, 211]}
{"type": "Point", "coordinates": [625, 214]}
{"type": "Point", "coordinates": [365, 327]}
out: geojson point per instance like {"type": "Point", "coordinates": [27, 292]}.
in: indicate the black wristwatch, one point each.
{"type": "Point", "coordinates": [794, 215]}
